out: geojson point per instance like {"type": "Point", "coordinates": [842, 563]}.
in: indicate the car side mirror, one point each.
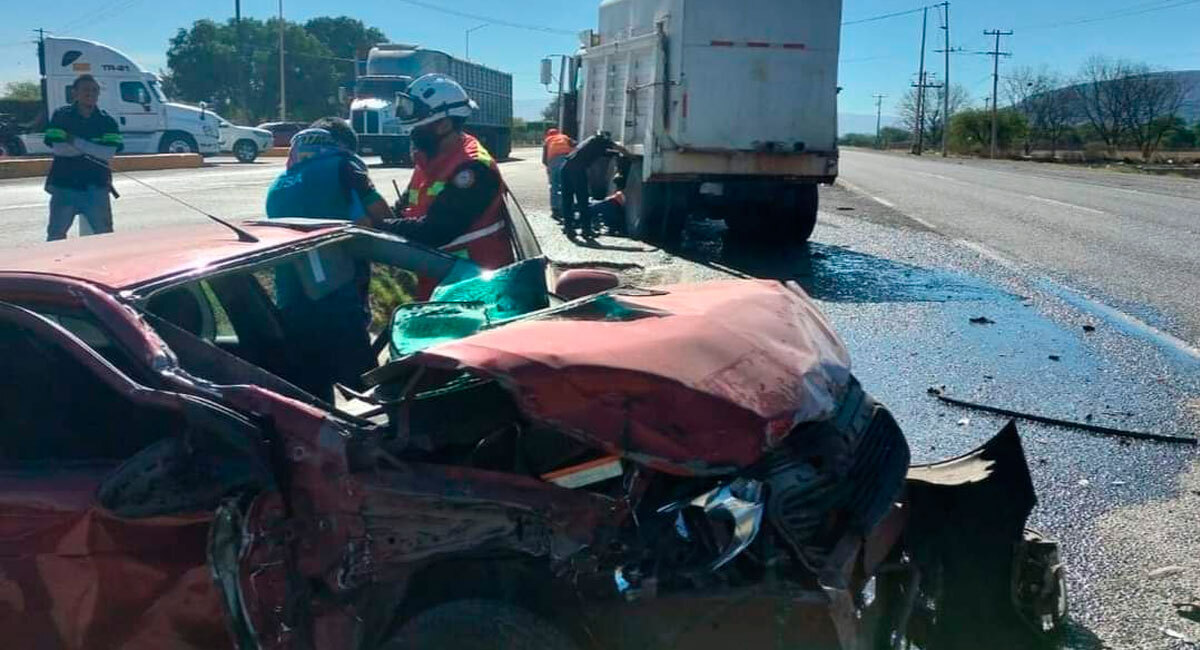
{"type": "Point", "coordinates": [577, 283]}
{"type": "Point", "coordinates": [547, 72]}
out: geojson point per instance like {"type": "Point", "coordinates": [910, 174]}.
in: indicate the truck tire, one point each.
{"type": "Point", "coordinates": [245, 151]}
{"type": "Point", "coordinates": [795, 216]}
{"type": "Point", "coordinates": [477, 625]}
{"type": "Point", "coordinates": [177, 142]}
{"type": "Point", "coordinates": [642, 201]}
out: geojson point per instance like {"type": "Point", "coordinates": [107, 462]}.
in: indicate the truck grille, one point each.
{"type": "Point", "coordinates": [364, 121]}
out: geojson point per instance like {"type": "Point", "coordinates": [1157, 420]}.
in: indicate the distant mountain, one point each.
{"type": "Point", "coordinates": [1189, 79]}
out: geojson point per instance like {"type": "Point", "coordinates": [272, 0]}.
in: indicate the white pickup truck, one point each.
{"type": "Point", "coordinates": [149, 122]}
{"type": "Point", "coordinates": [729, 109]}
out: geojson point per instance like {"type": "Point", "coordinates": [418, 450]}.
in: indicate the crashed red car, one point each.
{"type": "Point", "coordinates": [538, 462]}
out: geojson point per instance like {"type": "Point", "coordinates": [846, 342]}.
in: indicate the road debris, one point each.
{"type": "Point", "coordinates": [1089, 328]}
{"type": "Point", "coordinates": [1166, 572]}
{"type": "Point", "coordinates": [1190, 611]}
{"type": "Point", "coordinates": [1083, 482]}
{"type": "Point", "coordinates": [1055, 357]}
{"type": "Point", "coordinates": [982, 320]}
{"type": "Point", "coordinates": [964, 422]}
{"type": "Point", "coordinates": [1121, 433]}
{"type": "Point", "coordinates": [1175, 635]}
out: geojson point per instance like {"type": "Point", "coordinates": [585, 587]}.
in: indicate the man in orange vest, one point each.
{"type": "Point", "coordinates": [555, 148]}
{"type": "Point", "coordinates": [455, 199]}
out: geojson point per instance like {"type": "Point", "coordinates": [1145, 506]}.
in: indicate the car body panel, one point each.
{"type": "Point", "coordinates": [761, 359]}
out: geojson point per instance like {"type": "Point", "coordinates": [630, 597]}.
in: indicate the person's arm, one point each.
{"type": "Point", "coordinates": [356, 179]}
{"type": "Point", "coordinates": [56, 131]}
{"type": "Point", "coordinates": [467, 195]}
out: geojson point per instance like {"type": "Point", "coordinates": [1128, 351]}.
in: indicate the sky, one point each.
{"type": "Point", "coordinates": [879, 56]}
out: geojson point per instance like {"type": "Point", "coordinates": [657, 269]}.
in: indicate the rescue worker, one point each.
{"type": "Point", "coordinates": [324, 178]}
{"type": "Point", "coordinates": [83, 139]}
{"type": "Point", "coordinates": [576, 213]}
{"type": "Point", "coordinates": [555, 148]}
{"type": "Point", "coordinates": [455, 199]}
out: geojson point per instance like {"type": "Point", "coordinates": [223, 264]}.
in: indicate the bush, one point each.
{"type": "Point", "coordinates": [1095, 152]}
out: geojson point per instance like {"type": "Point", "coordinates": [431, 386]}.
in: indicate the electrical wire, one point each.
{"type": "Point", "coordinates": [1135, 10]}
{"type": "Point", "coordinates": [487, 19]}
{"type": "Point", "coordinates": [894, 14]}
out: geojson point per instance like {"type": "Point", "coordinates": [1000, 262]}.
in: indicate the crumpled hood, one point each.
{"type": "Point", "coordinates": [691, 379]}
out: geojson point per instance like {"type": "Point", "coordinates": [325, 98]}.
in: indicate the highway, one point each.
{"type": "Point", "coordinates": [1069, 293]}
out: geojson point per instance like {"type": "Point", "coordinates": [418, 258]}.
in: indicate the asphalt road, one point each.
{"type": "Point", "coordinates": [1127, 239]}
{"type": "Point", "coordinates": [902, 282]}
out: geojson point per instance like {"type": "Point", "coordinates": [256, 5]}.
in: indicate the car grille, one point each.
{"type": "Point", "coordinates": [837, 476]}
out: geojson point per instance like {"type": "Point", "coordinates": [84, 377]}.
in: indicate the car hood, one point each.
{"type": "Point", "coordinates": [690, 379]}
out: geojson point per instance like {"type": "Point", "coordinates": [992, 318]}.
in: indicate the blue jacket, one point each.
{"type": "Point", "coordinates": [313, 188]}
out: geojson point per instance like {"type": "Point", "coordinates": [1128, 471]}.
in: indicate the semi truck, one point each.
{"type": "Point", "coordinates": [391, 67]}
{"type": "Point", "coordinates": [728, 110]}
{"type": "Point", "coordinates": [149, 121]}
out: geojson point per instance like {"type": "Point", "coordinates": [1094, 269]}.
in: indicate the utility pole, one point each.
{"type": "Point", "coordinates": [946, 81]}
{"type": "Point", "coordinates": [996, 54]}
{"type": "Point", "coordinates": [878, 119]}
{"type": "Point", "coordinates": [282, 82]}
{"type": "Point", "coordinates": [467, 55]}
{"type": "Point", "coordinates": [921, 83]}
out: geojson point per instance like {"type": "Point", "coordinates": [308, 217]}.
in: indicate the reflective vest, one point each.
{"type": "Point", "coordinates": [557, 145]}
{"type": "Point", "coordinates": [487, 241]}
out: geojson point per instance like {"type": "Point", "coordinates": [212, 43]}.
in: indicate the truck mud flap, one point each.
{"type": "Point", "coordinates": [967, 535]}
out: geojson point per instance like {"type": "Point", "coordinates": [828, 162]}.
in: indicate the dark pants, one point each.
{"type": "Point", "coordinates": [90, 202]}
{"type": "Point", "coordinates": [576, 213]}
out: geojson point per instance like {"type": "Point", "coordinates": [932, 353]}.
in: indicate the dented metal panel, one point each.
{"type": "Point", "coordinates": [690, 379]}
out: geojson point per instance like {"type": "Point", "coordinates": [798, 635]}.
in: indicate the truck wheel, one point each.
{"type": "Point", "coordinates": [177, 142]}
{"type": "Point", "coordinates": [245, 151]}
{"type": "Point", "coordinates": [477, 625]}
{"type": "Point", "coordinates": [642, 205]}
{"type": "Point", "coordinates": [795, 216]}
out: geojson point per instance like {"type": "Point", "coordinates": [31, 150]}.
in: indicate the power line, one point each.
{"type": "Point", "coordinates": [1136, 10]}
{"type": "Point", "coordinates": [488, 19]}
{"type": "Point", "coordinates": [872, 19]}
{"type": "Point", "coordinates": [996, 54]}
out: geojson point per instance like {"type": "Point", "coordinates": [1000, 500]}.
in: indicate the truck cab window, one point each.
{"type": "Point", "coordinates": [134, 92]}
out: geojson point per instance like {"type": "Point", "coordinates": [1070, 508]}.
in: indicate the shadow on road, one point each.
{"type": "Point", "coordinates": [830, 273]}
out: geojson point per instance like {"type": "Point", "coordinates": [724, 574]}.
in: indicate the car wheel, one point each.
{"type": "Point", "coordinates": [245, 151]}
{"type": "Point", "coordinates": [477, 625]}
{"type": "Point", "coordinates": [177, 142]}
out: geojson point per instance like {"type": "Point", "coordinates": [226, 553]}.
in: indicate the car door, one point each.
{"type": "Point", "coordinates": [100, 545]}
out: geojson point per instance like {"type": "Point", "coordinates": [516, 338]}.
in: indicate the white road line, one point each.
{"type": "Point", "coordinates": [884, 202]}
{"type": "Point", "coordinates": [988, 253]}
{"type": "Point", "coordinates": [25, 206]}
{"type": "Point", "coordinates": [1064, 204]}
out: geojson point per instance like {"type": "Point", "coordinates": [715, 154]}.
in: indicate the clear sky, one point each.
{"type": "Point", "coordinates": [877, 57]}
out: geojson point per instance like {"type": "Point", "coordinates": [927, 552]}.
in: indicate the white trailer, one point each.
{"type": "Point", "coordinates": [730, 109]}
{"type": "Point", "coordinates": [149, 122]}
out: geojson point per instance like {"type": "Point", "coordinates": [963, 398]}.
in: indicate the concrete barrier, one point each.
{"type": "Point", "coordinates": [27, 167]}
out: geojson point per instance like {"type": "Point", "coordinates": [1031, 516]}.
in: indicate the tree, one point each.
{"type": "Point", "coordinates": [857, 140]}
{"type": "Point", "coordinates": [1100, 96]}
{"type": "Point", "coordinates": [971, 130]}
{"type": "Point", "coordinates": [346, 38]}
{"type": "Point", "coordinates": [890, 134]}
{"type": "Point", "coordinates": [205, 63]}
{"type": "Point", "coordinates": [1152, 100]}
{"type": "Point", "coordinates": [1047, 108]}
{"type": "Point", "coordinates": [933, 114]}
{"type": "Point", "coordinates": [23, 90]}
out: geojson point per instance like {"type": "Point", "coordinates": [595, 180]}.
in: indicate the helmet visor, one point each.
{"type": "Point", "coordinates": [410, 109]}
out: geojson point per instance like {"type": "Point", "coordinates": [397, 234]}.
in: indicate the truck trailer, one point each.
{"type": "Point", "coordinates": [391, 67]}
{"type": "Point", "coordinates": [729, 110]}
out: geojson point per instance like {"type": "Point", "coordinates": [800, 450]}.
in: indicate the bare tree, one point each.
{"type": "Point", "coordinates": [1151, 102]}
{"type": "Point", "coordinates": [934, 120]}
{"type": "Point", "coordinates": [1100, 96]}
{"type": "Point", "coordinates": [1048, 108]}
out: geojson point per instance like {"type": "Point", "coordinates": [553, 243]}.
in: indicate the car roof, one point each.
{"type": "Point", "coordinates": [126, 259]}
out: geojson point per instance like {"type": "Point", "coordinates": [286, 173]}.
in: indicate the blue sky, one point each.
{"type": "Point", "coordinates": [877, 57]}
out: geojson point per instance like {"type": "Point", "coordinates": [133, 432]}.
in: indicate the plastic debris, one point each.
{"type": "Point", "coordinates": [964, 422]}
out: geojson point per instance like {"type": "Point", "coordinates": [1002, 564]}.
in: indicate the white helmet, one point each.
{"type": "Point", "coordinates": [430, 98]}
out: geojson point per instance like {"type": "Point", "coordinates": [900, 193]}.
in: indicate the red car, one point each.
{"type": "Point", "coordinates": [684, 466]}
{"type": "Point", "coordinates": [283, 131]}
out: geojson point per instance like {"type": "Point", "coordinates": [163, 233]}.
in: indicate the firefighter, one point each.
{"type": "Point", "coordinates": [555, 148]}
{"type": "Point", "coordinates": [455, 199]}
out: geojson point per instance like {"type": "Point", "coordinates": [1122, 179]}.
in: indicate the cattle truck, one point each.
{"type": "Point", "coordinates": [149, 122]}
{"type": "Point", "coordinates": [729, 109]}
{"type": "Point", "coordinates": [391, 67]}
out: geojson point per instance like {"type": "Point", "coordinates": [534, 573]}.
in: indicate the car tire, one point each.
{"type": "Point", "coordinates": [246, 151]}
{"type": "Point", "coordinates": [12, 147]}
{"type": "Point", "coordinates": [177, 142]}
{"type": "Point", "coordinates": [477, 625]}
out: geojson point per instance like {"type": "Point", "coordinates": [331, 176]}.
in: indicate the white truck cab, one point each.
{"type": "Point", "coordinates": [149, 121]}
{"type": "Point", "coordinates": [245, 142]}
